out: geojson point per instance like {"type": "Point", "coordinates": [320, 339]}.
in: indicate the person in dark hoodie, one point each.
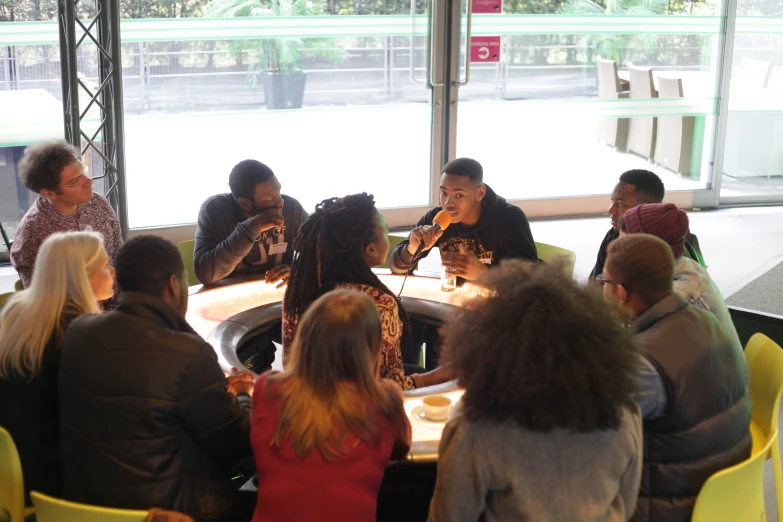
{"type": "Point", "coordinates": [483, 226]}
{"type": "Point", "coordinates": [636, 187]}
{"type": "Point", "coordinates": [248, 233]}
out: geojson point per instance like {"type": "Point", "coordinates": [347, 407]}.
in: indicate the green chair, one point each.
{"type": "Point", "coordinates": [50, 509]}
{"type": "Point", "coordinates": [4, 299]}
{"type": "Point", "coordinates": [11, 482]}
{"type": "Point", "coordinates": [394, 240]}
{"type": "Point", "coordinates": [765, 369]}
{"type": "Point", "coordinates": [548, 253]}
{"type": "Point", "coordinates": [186, 250]}
{"type": "Point", "coordinates": [735, 494]}
{"type": "Point", "coordinates": [18, 286]}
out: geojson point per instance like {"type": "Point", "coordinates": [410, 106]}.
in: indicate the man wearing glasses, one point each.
{"type": "Point", "coordinates": [693, 390]}
{"type": "Point", "coordinates": [66, 202]}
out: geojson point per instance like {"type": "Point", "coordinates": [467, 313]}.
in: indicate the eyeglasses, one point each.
{"type": "Point", "coordinates": [601, 281]}
{"type": "Point", "coordinates": [78, 179]}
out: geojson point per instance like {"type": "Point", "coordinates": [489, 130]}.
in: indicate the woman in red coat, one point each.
{"type": "Point", "coordinates": [324, 430]}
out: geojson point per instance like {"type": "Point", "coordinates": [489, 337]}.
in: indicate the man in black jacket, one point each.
{"type": "Point", "coordinates": [635, 187]}
{"type": "Point", "coordinates": [249, 233]}
{"type": "Point", "coordinates": [148, 418]}
{"type": "Point", "coordinates": [483, 226]}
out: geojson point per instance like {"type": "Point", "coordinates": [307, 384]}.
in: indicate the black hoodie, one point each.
{"type": "Point", "coordinates": [502, 232]}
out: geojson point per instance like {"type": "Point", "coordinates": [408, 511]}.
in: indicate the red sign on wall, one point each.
{"type": "Point", "coordinates": [487, 6]}
{"type": "Point", "coordinates": [484, 49]}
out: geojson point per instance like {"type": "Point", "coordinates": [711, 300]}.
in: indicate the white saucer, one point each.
{"type": "Point", "coordinates": [418, 414]}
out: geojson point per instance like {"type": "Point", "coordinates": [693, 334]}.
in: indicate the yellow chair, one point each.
{"type": "Point", "coordinates": [765, 367]}
{"type": "Point", "coordinates": [4, 299]}
{"type": "Point", "coordinates": [49, 509]}
{"type": "Point", "coordinates": [11, 481]}
{"type": "Point", "coordinates": [18, 286]}
{"type": "Point", "coordinates": [735, 494]}
{"type": "Point", "coordinates": [548, 253]}
{"type": "Point", "coordinates": [394, 240]}
{"type": "Point", "coordinates": [186, 250]}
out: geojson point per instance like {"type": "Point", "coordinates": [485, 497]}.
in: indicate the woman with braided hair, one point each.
{"type": "Point", "coordinates": [337, 247]}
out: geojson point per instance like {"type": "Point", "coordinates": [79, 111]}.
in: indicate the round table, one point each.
{"type": "Point", "coordinates": [225, 316]}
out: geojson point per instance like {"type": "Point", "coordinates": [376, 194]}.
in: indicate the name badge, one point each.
{"type": "Point", "coordinates": [278, 248]}
{"type": "Point", "coordinates": [485, 260]}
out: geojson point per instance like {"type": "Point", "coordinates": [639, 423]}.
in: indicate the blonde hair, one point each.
{"type": "Point", "coordinates": [333, 372]}
{"type": "Point", "coordinates": [59, 292]}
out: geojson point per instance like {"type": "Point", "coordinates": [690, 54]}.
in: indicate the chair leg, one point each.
{"type": "Point", "coordinates": [778, 473]}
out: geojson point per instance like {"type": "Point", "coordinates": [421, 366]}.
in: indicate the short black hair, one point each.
{"type": "Point", "coordinates": [42, 163]}
{"type": "Point", "coordinates": [465, 167]}
{"type": "Point", "coordinates": [644, 264]}
{"type": "Point", "coordinates": [146, 263]}
{"type": "Point", "coordinates": [646, 183]}
{"type": "Point", "coordinates": [246, 175]}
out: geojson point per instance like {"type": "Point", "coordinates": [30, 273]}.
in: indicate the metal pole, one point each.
{"type": "Point", "coordinates": [118, 112]}
{"type": "Point", "coordinates": [68, 67]}
{"type": "Point", "coordinates": [724, 84]}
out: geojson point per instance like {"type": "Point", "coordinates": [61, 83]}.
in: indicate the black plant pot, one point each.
{"type": "Point", "coordinates": [283, 90]}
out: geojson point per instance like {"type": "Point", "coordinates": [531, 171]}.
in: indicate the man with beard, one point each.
{"type": "Point", "coordinates": [249, 233]}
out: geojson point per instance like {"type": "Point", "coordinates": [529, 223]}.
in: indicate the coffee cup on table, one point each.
{"type": "Point", "coordinates": [436, 407]}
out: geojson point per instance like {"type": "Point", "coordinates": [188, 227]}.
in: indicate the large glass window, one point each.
{"type": "Point", "coordinates": [582, 91]}
{"type": "Point", "coordinates": [328, 99]}
{"type": "Point", "coordinates": [30, 99]}
{"type": "Point", "coordinates": [753, 157]}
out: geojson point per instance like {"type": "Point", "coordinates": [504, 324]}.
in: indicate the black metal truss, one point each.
{"type": "Point", "coordinates": [107, 143]}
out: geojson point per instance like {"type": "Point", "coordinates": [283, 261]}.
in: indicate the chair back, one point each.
{"type": "Point", "coordinates": [736, 493]}
{"type": "Point", "coordinates": [549, 253]}
{"type": "Point", "coordinates": [18, 286]}
{"type": "Point", "coordinates": [4, 299]}
{"type": "Point", "coordinates": [187, 250]}
{"type": "Point", "coordinates": [394, 240]}
{"type": "Point", "coordinates": [765, 368]}
{"type": "Point", "coordinates": [608, 80]}
{"type": "Point", "coordinates": [49, 509]}
{"type": "Point", "coordinates": [11, 481]}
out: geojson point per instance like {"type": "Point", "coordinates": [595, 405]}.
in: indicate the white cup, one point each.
{"type": "Point", "coordinates": [436, 407]}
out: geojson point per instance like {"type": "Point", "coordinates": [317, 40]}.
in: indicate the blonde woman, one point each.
{"type": "Point", "coordinates": [72, 273]}
{"type": "Point", "coordinates": [324, 430]}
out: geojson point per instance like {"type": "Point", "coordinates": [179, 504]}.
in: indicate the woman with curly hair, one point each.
{"type": "Point", "coordinates": [336, 248]}
{"type": "Point", "coordinates": [547, 429]}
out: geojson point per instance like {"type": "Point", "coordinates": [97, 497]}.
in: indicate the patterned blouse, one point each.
{"type": "Point", "coordinates": [43, 220]}
{"type": "Point", "coordinates": [391, 324]}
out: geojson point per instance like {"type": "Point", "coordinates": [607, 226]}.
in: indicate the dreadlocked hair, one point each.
{"type": "Point", "coordinates": [329, 252]}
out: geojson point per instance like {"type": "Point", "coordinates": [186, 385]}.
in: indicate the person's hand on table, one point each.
{"type": "Point", "coordinates": [426, 234]}
{"type": "Point", "coordinates": [268, 219]}
{"type": "Point", "coordinates": [241, 382]}
{"type": "Point", "coordinates": [279, 273]}
{"type": "Point", "coordinates": [466, 266]}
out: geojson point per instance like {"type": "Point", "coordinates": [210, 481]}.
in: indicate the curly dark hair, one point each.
{"type": "Point", "coordinates": [329, 252]}
{"type": "Point", "coordinates": [537, 349]}
{"type": "Point", "coordinates": [42, 163]}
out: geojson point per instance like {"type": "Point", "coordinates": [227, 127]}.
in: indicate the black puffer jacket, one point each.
{"type": "Point", "coordinates": [145, 416]}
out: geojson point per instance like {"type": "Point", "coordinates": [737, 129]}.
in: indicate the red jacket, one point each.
{"type": "Point", "coordinates": [294, 489]}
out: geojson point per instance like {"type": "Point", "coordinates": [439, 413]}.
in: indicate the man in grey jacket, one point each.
{"type": "Point", "coordinates": [693, 388]}
{"type": "Point", "coordinates": [248, 233]}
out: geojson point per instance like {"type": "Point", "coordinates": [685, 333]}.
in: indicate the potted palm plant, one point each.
{"type": "Point", "coordinates": [275, 61]}
{"type": "Point", "coordinates": [616, 47]}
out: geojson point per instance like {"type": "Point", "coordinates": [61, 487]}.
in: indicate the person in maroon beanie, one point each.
{"type": "Point", "coordinates": [691, 280]}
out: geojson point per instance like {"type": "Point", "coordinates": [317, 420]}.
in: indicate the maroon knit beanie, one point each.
{"type": "Point", "coordinates": [665, 221]}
